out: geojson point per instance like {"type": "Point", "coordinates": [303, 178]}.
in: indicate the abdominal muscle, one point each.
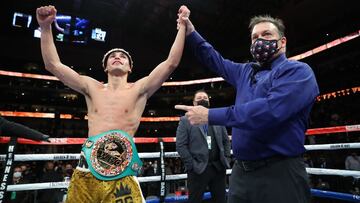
{"type": "Point", "coordinates": [115, 110]}
{"type": "Point", "coordinates": [109, 116]}
{"type": "Point", "coordinates": [99, 124]}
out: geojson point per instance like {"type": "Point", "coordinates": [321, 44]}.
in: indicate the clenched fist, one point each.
{"type": "Point", "coordinates": [45, 15]}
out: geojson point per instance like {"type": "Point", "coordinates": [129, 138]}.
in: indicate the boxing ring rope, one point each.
{"type": "Point", "coordinates": [146, 155]}
{"type": "Point", "coordinates": [145, 140]}
{"type": "Point", "coordinates": [39, 186]}
{"type": "Point", "coordinates": [76, 156]}
{"type": "Point", "coordinates": [138, 140]}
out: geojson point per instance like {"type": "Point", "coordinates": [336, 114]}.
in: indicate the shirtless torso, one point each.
{"type": "Point", "coordinates": [114, 109]}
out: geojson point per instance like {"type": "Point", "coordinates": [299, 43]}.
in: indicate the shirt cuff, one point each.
{"type": "Point", "coordinates": [217, 116]}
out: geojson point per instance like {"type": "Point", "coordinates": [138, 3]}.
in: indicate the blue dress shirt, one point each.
{"type": "Point", "coordinates": [270, 114]}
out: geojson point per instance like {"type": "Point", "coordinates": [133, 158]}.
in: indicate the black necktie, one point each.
{"type": "Point", "coordinates": [256, 67]}
{"type": "Point", "coordinates": [205, 127]}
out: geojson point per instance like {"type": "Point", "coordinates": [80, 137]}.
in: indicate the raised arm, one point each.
{"type": "Point", "coordinates": [162, 72]}
{"type": "Point", "coordinates": [207, 55]}
{"type": "Point", "coordinates": [45, 16]}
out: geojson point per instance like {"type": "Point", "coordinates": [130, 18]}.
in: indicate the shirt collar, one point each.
{"type": "Point", "coordinates": [281, 58]}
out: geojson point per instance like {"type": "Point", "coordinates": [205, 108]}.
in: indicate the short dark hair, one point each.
{"type": "Point", "coordinates": [279, 24]}
{"type": "Point", "coordinates": [106, 56]}
{"type": "Point", "coordinates": [200, 90]}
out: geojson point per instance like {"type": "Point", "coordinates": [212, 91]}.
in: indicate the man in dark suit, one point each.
{"type": "Point", "coordinates": [205, 151]}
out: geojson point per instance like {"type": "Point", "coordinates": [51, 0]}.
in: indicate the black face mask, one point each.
{"type": "Point", "coordinates": [69, 171]}
{"type": "Point", "coordinates": [263, 50]}
{"type": "Point", "coordinates": [204, 103]}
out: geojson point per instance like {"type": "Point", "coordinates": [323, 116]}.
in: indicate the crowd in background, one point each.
{"type": "Point", "coordinates": [327, 113]}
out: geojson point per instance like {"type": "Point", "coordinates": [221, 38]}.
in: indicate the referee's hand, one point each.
{"type": "Point", "coordinates": [197, 115]}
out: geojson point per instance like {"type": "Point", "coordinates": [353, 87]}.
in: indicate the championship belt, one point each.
{"type": "Point", "coordinates": [111, 155]}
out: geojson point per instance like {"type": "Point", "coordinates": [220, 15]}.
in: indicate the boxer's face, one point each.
{"type": "Point", "coordinates": [118, 61]}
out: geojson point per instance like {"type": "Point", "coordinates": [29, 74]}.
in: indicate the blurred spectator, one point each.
{"type": "Point", "coordinates": [323, 162]}
{"type": "Point", "coordinates": [68, 171]}
{"type": "Point", "coordinates": [335, 120]}
{"type": "Point", "coordinates": [352, 162]}
{"type": "Point", "coordinates": [168, 171]}
{"type": "Point", "coordinates": [308, 162]}
{"type": "Point", "coordinates": [322, 185]}
{"type": "Point", "coordinates": [19, 196]}
{"type": "Point", "coordinates": [152, 169]}
{"type": "Point", "coordinates": [50, 175]}
{"type": "Point", "coordinates": [27, 175]}
{"type": "Point", "coordinates": [355, 191]}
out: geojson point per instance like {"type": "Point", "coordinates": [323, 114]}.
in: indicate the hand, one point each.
{"type": "Point", "coordinates": [197, 115]}
{"type": "Point", "coordinates": [45, 15]}
{"type": "Point", "coordinates": [183, 16]}
{"type": "Point", "coordinates": [181, 21]}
